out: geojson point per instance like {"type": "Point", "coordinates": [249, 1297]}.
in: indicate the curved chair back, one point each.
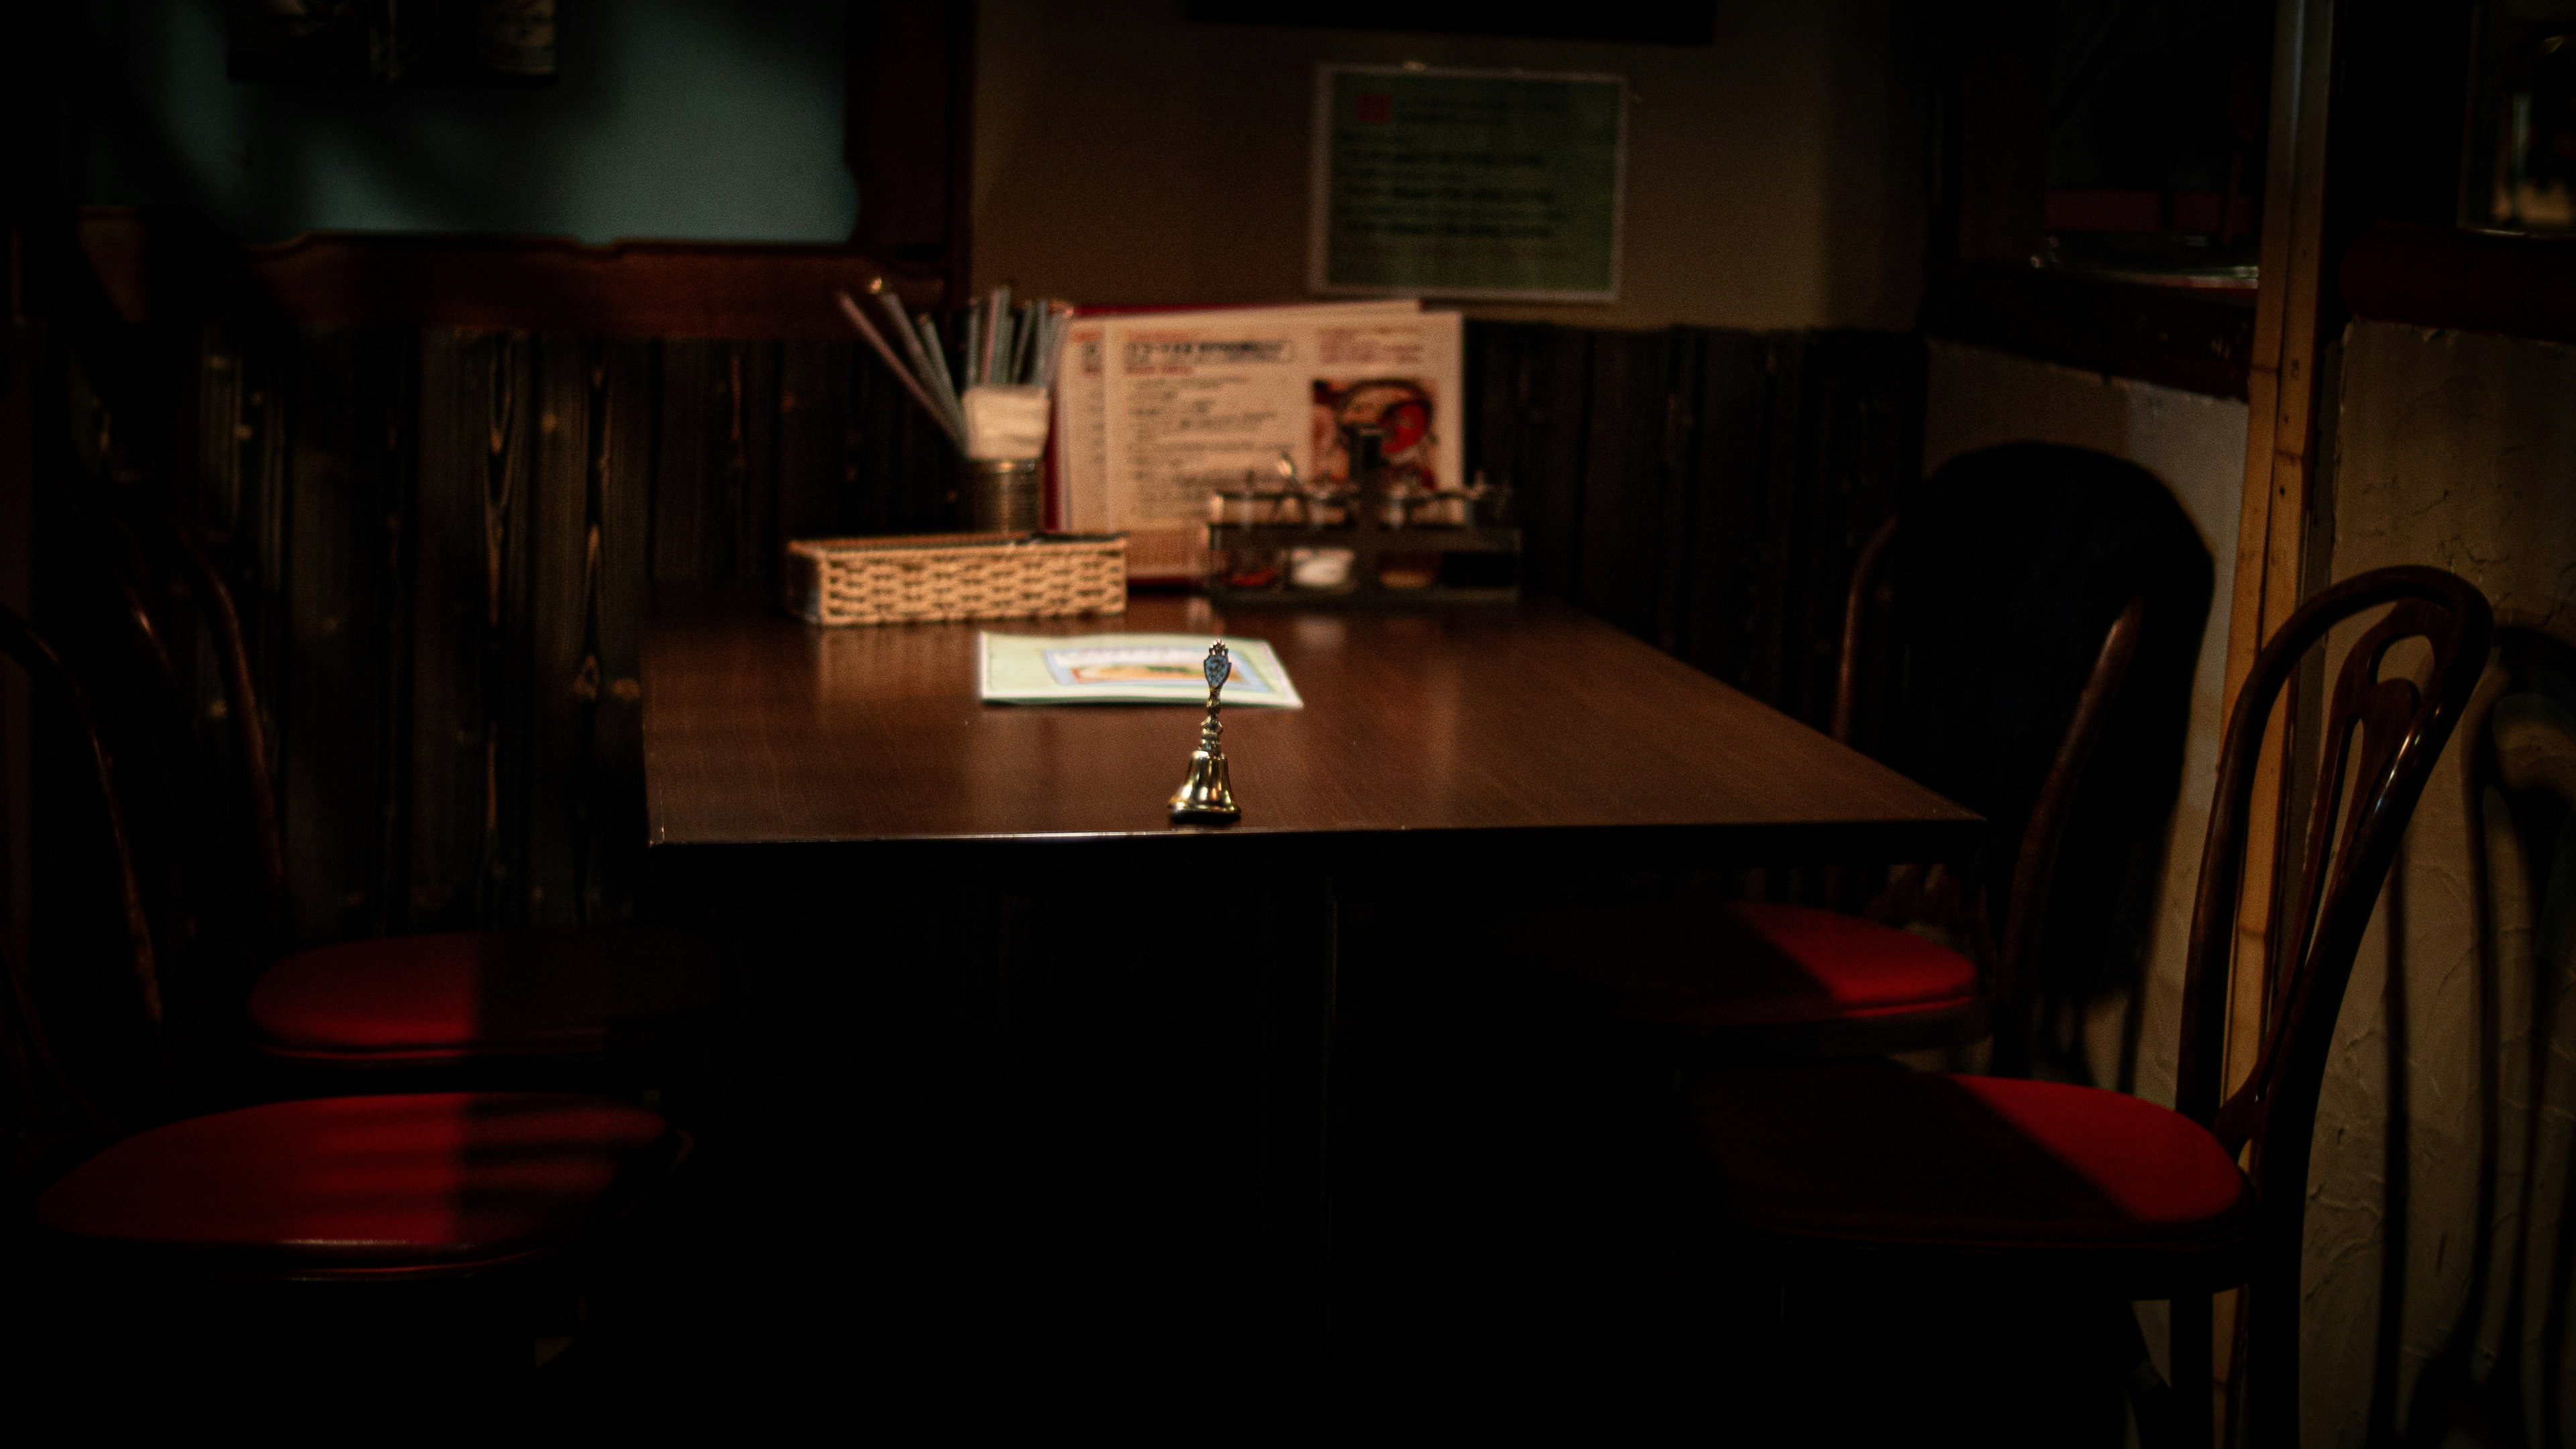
{"type": "Point", "coordinates": [123, 650]}
{"type": "Point", "coordinates": [2381, 739]}
{"type": "Point", "coordinates": [2016, 969]}
{"type": "Point", "coordinates": [245, 728]}
{"type": "Point", "coordinates": [2011, 959]}
{"type": "Point", "coordinates": [133, 934]}
{"type": "Point", "coordinates": [2010, 565]}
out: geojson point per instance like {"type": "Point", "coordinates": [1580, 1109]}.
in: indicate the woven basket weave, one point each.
{"type": "Point", "coordinates": [936, 576]}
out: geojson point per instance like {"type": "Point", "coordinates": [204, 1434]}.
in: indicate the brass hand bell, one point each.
{"type": "Point", "coordinates": [1207, 796]}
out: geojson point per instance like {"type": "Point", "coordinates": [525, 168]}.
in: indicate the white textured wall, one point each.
{"type": "Point", "coordinates": [2456, 450]}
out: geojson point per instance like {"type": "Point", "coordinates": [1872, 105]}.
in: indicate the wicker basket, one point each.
{"type": "Point", "coordinates": [929, 577]}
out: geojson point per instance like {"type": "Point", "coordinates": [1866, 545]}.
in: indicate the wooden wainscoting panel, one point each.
{"type": "Point", "coordinates": [446, 721]}
{"type": "Point", "coordinates": [332, 597]}
{"type": "Point", "coordinates": [679, 458]}
{"type": "Point", "coordinates": [562, 674]}
{"type": "Point", "coordinates": [611, 866]}
{"type": "Point", "coordinates": [1731, 414]}
{"type": "Point", "coordinates": [556, 284]}
{"type": "Point", "coordinates": [1626, 474]}
{"type": "Point", "coordinates": [813, 462]}
{"type": "Point", "coordinates": [1554, 427]}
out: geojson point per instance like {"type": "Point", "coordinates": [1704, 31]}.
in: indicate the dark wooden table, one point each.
{"type": "Point", "coordinates": [1064, 1086]}
{"type": "Point", "coordinates": [1529, 729]}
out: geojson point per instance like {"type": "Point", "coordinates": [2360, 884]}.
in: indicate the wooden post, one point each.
{"type": "Point", "coordinates": [22, 358]}
{"type": "Point", "coordinates": [910, 138]}
{"type": "Point", "coordinates": [2280, 455]}
{"type": "Point", "coordinates": [2003, 131]}
{"type": "Point", "coordinates": [2389, 152]}
{"type": "Point", "coordinates": [2280, 465]}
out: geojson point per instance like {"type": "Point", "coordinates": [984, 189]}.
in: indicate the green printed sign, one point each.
{"type": "Point", "coordinates": [1467, 183]}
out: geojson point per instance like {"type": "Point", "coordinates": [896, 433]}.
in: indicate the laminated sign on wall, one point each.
{"type": "Point", "coordinates": [1454, 183]}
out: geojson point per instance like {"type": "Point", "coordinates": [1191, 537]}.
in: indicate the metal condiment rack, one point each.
{"type": "Point", "coordinates": [1369, 538]}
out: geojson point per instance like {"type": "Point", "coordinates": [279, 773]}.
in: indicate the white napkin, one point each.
{"type": "Point", "coordinates": [1005, 423]}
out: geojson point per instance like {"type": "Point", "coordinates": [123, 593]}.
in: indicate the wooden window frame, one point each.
{"type": "Point", "coordinates": [1990, 202]}
{"type": "Point", "coordinates": [2388, 198]}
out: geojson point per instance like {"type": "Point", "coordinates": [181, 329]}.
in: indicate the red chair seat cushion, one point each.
{"type": "Point", "coordinates": [582, 990]}
{"type": "Point", "coordinates": [1887, 1156]}
{"type": "Point", "coordinates": [1741, 965]}
{"type": "Point", "coordinates": [440, 1179]}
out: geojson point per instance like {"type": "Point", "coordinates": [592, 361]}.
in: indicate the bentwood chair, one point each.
{"type": "Point", "coordinates": [441, 1000]}
{"type": "Point", "coordinates": [1776, 981]}
{"type": "Point", "coordinates": [1819, 1169]}
{"type": "Point", "coordinates": [336, 1195]}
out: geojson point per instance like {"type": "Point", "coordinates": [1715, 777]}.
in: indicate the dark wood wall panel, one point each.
{"type": "Point", "coordinates": [746, 547]}
{"type": "Point", "coordinates": [560, 578]}
{"type": "Point", "coordinates": [814, 460]}
{"type": "Point", "coordinates": [1721, 536]}
{"type": "Point", "coordinates": [1555, 388]}
{"type": "Point", "coordinates": [1625, 475]}
{"type": "Point", "coordinates": [679, 464]}
{"type": "Point", "coordinates": [446, 801]}
{"type": "Point", "coordinates": [1706, 490]}
{"type": "Point", "coordinates": [621, 560]}
{"type": "Point", "coordinates": [334, 595]}
{"type": "Point", "coordinates": [504, 641]}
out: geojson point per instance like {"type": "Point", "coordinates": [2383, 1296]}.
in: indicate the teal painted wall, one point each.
{"type": "Point", "coordinates": [670, 119]}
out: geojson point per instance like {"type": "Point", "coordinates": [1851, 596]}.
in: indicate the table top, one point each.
{"type": "Point", "coordinates": [1502, 729]}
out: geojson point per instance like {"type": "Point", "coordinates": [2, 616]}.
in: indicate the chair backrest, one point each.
{"type": "Point", "coordinates": [254, 783]}
{"type": "Point", "coordinates": [133, 944]}
{"type": "Point", "coordinates": [2043, 840]}
{"type": "Point", "coordinates": [2012, 971]}
{"type": "Point", "coordinates": [2380, 740]}
{"type": "Point", "coordinates": [107, 630]}
{"type": "Point", "coordinates": [2010, 564]}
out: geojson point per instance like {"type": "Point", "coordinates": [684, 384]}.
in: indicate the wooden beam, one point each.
{"type": "Point", "coordinates": [2468, 281]}
{"type": "Point", "coordinates": [2197, 340]}
{"type": "Point", "coordinates": [2367, 112]}
{"type": "Point", "coordinates": [151, 264]}
{"type": "Point", "coordinates": [2280, 452]}
{"type": "Point", "coordinates": [2002, 106]}
{"type": "Point", "coordinates": [910, 135]}
{"type": "Point", "coordinates": [23, 360]}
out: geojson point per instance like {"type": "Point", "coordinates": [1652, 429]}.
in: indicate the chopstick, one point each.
{"type": "Point", "coordinates": [911, 384]}
{"type": "Point", "coordinates": [1002, 345]}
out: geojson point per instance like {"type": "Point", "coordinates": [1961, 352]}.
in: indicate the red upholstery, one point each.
{"type": "Point", "coordinates": [1741, 965]}
{"type": "Point", "coordinates": [488, 993]}
{"type": "Point", "coordinates": [1881, 1155]}
{"type": "Point", "coordinates": [441, 1179]}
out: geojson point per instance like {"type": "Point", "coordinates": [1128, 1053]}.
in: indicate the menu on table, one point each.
{"type": "Point", "coordinates": [1126, 669]}
{"type": "Point", "coordinates": [1157, 410]}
